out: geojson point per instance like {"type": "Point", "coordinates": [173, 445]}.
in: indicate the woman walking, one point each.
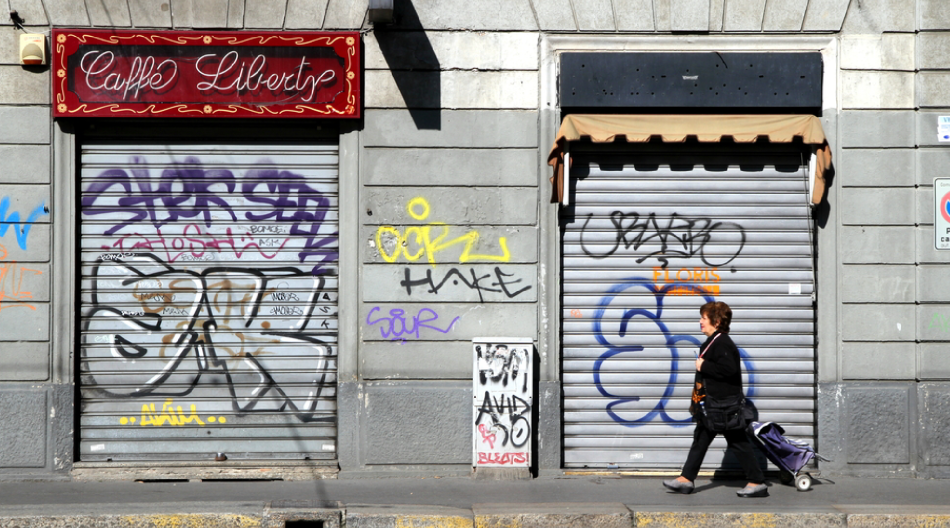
{"type": "Point", "coordinates": [719, 372]}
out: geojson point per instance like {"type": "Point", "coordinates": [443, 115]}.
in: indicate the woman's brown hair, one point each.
{"type": "Point", "coordinates": [719, 314]}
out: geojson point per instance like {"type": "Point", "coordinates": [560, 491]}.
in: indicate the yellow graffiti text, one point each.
{"type": "Point", "coordinates": [169, 415]}
{"type": "Point", "coordinates": [422, 237]}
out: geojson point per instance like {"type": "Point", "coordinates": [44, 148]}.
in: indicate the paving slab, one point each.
{"type": "Point", "coordinates": [603, 500]}
{"type": "Point", "coordinates": [545, 515]}
{"type": "Point", "coordinates": [409, 516]}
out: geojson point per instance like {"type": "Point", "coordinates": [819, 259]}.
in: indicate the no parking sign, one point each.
{"type": "Point", "coordinates": [942, 213]}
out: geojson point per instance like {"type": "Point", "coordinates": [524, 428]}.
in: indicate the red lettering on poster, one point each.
{"type": "Point", "coordinates": [503, 458]}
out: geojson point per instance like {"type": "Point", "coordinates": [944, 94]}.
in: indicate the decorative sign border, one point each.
{"type": "Point", "coordinates": [345, 45]}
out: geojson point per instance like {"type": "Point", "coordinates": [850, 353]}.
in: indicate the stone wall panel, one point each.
{"type": "Point", "coordinates": [891, 51]}
{"type": "Point", "coordinates": [23, 428]}
{"type": "Point", "coordinates": [689, 15]}
{"type": "Point", "coordinates": [109, 13]}
{"type": "Point", "coordinates": [434, 128]}
{"type": "Point", "coordinates": [876, 245]}
{"type": "Point", "coordinates": [393, 408]}
{"type": "Point", "coordinates": [879, 16]}
{"type": "Point", "coordinates": [877, 206]}
{"type": "Point", "coordinates": [306, 14]}
{"type": "Point", "coordinates": [634, 15]}
{"type": "Point", "coordinates": [784, 16]}
{"type": "Point", "coordinates": [25, 163]}
{"type": "Point", "coordinates": [878, 284]}
{"type": "Point", "coordinates": [878, 423]}
{"type": "Point", "coordinates": [825, 15]}
{"type": "Point", "coordinates": [149, 14]}
{"type": "Point", "coordinates": [556, 15]}
{"type": "Point", "coordinates": [24, 361]}
{"type": "Point", "coordinates": [19, 86]}
{"type": "Point", "coordinates": [743, 15]}
{"type": "Point", "coordinates": [933, 360]}
{"type": "Point", "coordinates": [210, 14]}
{"type": "Point", "coordinates": [877, 90]}
{"type": "Point", "coordinates": [434, 167]}
{"type": "Point", "coordinates": [594, 15]}
{"type": "Point", "coordinates": [264, 14]}
{"type": "Point", "coordinates": [876, 167]}
{"type": "Point", "coordinates": [883, 129]}
{"type": "Point", "coordinates": [878, 322]}
{"type": "Point", "coordinates": [879, 361]}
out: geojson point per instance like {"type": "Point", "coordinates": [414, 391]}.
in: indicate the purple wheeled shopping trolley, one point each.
{"type": "Point", "coordinates": [789, 455]}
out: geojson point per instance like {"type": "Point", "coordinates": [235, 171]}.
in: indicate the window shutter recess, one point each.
{"type": "Point", "coordinates": [655, 231]}
{"type": "Point", "coordinates": [209, 301]}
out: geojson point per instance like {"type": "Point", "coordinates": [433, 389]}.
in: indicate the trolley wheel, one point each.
{"type": "Point", "coordinates": [785, 477]}
{"type": "Point", "coordinates": [803, 482]}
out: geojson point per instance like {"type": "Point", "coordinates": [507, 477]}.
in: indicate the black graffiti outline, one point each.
{"type": "Point", "coordinates": [502, 286]}
{"type": "Point", "coordinates": [514, 363]}
{"type": "Point", "coordinates": [692, 243]}
{"type": "Point", "coordinates": [202, 343]}
{"type": "Point", "coordinates": [495, 409]}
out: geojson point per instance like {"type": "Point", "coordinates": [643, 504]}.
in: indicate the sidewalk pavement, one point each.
{"type": "Point", "coordinates": [589, 501]}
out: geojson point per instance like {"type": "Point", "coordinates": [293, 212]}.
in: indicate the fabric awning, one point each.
{"type": "Point", "coordinates": [705, 128]}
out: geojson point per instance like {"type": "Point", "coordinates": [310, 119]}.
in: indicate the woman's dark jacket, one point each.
{"type": "Point", "coordinates": [721, 370]}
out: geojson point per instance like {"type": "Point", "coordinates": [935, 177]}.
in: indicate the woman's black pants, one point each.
{"type": "Point", "coordinates": [739, 443]}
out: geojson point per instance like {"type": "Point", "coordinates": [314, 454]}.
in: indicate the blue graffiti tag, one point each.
{"type": "Point", "coordinates": [395, 326]}
{"type": "Point", "coordinates": [659, 293]}
{"type": "Point", "coordinates": [22, 229]}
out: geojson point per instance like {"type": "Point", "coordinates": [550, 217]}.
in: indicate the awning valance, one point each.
{"type": "Point", "coordinates": [705, 128]}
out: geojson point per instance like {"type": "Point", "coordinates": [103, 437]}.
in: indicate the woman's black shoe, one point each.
{"type": "Point", "coordinates": [679, 486]}
{"type": "Point", "coordinates": [759, 490]}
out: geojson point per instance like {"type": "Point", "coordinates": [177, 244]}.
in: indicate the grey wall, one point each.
{"type": "Point", "coordinates": [882, 414]}
{"type": "Point", "coordinates": [448, 154]}
{"type": "Point", "coordinates": [454, 115]}
{"type": "Point", "coordinates": [27, 394]}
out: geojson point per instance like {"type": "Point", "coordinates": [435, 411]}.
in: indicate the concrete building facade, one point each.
{"type": "Point", "coordinates": [446, 232]}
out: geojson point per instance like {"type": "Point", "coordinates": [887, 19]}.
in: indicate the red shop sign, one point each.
{"type": "Point", "coordinates": [205, 74]}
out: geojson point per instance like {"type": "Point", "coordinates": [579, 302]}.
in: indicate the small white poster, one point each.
{"type": "Point", "coordinates": [943, 129]}
{"type": "Point", "coordinates": [942, 213]}
{"type": "Point", "coordinates": [503, 396]}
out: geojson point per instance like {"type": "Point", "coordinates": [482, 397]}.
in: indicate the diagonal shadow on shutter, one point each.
{"type": "Point", "coordinates": [654, 232]}
{"type": "Point", "coordinates": [208, 301]}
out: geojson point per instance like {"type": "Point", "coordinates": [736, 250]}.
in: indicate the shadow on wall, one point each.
{"type": "Point", "coordinates": [412, 61]}
{"type": "Point", "coordinates": [823, 210]}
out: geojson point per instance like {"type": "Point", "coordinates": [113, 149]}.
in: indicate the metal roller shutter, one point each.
{"type": "Point", "coordinates": [209, 301]}
{"type": "Point", "coordinates": [654, 232]}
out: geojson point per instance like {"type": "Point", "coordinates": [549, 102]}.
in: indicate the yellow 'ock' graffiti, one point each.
{"type": "Point", "coordinates": [169, 415]}
{"type": "Point", "coordinates": [422, 236]}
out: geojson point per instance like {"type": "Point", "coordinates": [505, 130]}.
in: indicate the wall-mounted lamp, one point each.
{"type": "Point", "coordinates": [381, 11]}
{"type": "Point", "coordinates": [32, 49]}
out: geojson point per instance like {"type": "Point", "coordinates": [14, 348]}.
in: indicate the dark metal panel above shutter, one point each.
{"type": "Point", "coordinates": [654, 232]}
{"type": "Point", "coordinates": [208, 300]}
{"type": "Point", "coordinates": [641, 80]}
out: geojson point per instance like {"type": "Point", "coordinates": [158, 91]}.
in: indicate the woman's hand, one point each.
{"type": "Point", "coordinates": [699, 364]}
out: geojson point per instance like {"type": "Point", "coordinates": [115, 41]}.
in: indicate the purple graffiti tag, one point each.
{"type": "Point", "coordinates": [395, 326]}
{"type": "Point", "coordinates": [292, 200]}
{"type": "Point", "coordinates": [183, 191]}
{"type": "Point", "coordinates": [187, 191]}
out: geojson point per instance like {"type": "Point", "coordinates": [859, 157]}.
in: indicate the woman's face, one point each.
{"type": "Point", "coordinates": [706, 326]}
